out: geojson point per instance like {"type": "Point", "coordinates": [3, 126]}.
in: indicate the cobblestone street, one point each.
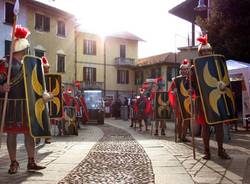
{"type": "Point", "coordinates": [116, 158]}
{"type": "Point", "coordinates": [116, 153]}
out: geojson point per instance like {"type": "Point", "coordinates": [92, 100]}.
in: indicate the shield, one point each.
{"type": "Point", "coordinates": [183, 96]}
{"type": "Point", "coordinates": [162, 106]}
{"type": "Point", "coordinates": [53, 85]}
{"type": "Point", "coordinates": [38, 116]}
{"type": "Point", "coordinates": [215, 90]}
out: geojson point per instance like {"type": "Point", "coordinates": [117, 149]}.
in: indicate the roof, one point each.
{"type": "Point", "coordinates": [50, 4]}
{"type": "Point", "coordinates": [125, 35]}
{"type": "Point", "coordinates": [186, 10]}
{"type": "Point", "coordinates": [157, 59]}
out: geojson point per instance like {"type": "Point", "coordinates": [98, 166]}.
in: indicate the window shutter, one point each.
{"type": "Point", "coordinates": [7, 45]}
{"type": "Point", "coordinates": [122, 51]}
{"type": "Point", "coordinates": [63, 29]}
{"type": "Point", "coordinates": [84, 46]}
{"type": "Point", "coordinates": [38, 22]}
{"type": "Point", "coordinates": [127, 76]}
{"type": "Point", "coordinates": [84, 73]}
{"type": "Point", "coordinates": [94, 47]}
{"type": "Point", "coordinates": [118, 78]}
{"type": "Point", "coordinates": [9, 15]}
{"type": "Point", "coordinates": [63, 63]}
{"type": "Point", "coordinates": [94, 74]}
{"type": "Point", "coordinates": [46, 24]}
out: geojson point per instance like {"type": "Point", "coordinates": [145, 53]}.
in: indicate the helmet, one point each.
{"type": "Point", "coordinates": [185, 67]}
{"type": "Point", "coordinates": [45, 64]}
{"type": "Point", "coordinates": [21, 43]}
{"type": "Point", "coordinates": [69, 90]}
{"type": "Point", "coordinates": [204, 48]}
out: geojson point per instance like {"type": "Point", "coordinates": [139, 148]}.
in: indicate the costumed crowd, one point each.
{"type": "Point", "coordinates": [184, 101]}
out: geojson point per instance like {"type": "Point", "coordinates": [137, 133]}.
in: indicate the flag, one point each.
{"type": "Point", "coordinates": [16, 8]}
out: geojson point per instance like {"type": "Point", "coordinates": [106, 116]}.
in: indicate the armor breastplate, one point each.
{"type": "Point", "coordinates": [17, 90]}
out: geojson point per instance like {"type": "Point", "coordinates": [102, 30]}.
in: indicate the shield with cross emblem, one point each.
{"type": "Point", "coordinates": [38, 116]}
{"type": "Point", "coordinates": [183, 96]}
{"type": "Point", "coordinates": [53, 85]}
{"type": "Point", "coordinates": [162, 106]}
{"type": "Point", "coordinates": [215, 90]}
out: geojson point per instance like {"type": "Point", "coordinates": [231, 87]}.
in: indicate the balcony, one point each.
{"type": "Point", "coordinates": [124, 62]}
{"type": "Point", "coordinates": [92, 85]}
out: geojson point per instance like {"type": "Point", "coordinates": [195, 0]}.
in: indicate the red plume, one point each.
{"type": "Point", "coordinates": [44, 60]}
{"type": "Point", "coordinates": [78, 84]}
{"type": "Point", "coordinates": [202, 40]}
{"type": "Point", "coordinates": [185, 62]}
{"type": "Point", "coordinates": [21, 32]}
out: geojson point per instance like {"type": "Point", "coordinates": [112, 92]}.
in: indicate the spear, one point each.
{"type": "Point", "coordinates": [192, 109]}
{"type": "Point", "coordinates": [15, 11]}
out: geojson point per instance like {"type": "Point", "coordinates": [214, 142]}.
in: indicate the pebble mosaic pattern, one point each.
{"type": "Point", "coordinates": [116, 158]}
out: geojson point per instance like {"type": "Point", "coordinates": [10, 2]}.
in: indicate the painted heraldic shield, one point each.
{"type": "Point", "coordinates": [215, 90]}
{"type": "Point", "coordinates": [53, 85]}
{"type": "Point", "coordinates": [183, 96]}
{"type": "Point", "coordinates": [162, 106]}
{"type": "Point", "coordinates": [34, 81]}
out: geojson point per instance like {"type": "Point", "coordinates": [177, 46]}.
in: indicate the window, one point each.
{"type": "Point", "coordinates": [122, 51]}
{"type": "Point", "coordinates": [89, 47]}
{"type": "Point", "coordinates": [60, 28]}
{"type": "Point", "coordinates": [122, 76]}
{"type": "Point", "coordinates": [42, 23]}
{"type": "Point", "coordinates": [9, 15]}
{"type": "Point", "coordinates": [155, 72]}
{"type": "Point", "coordinates": [60, 63]}
{"type": "Point", "coordinates": [138, 77]}
{"type": "Point", "coordinates": [7, 45]}
{"type": "Point", "coordinates": [89, 74]}
{"type": "Point", "coordinates": [39, 53]}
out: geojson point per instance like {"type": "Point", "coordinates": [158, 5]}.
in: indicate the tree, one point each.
{"type": "Point", "coordinates": [228, 28]}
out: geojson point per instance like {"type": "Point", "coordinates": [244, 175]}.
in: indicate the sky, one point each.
{"type": "Point", "coordinates": [148, 19]}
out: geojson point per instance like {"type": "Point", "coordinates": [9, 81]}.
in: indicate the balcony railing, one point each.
{"type": "Point", "coordinates": [92, 85]}
{"type": "Point", "coordinates": [126, 62]}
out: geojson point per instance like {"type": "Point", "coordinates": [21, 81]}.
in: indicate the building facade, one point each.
{"type": "Point", "coordinates": [163, 65]}
{"type": "Point", "coordinates": [107, 63]}
{"type": "Point", "coordinates": [6, 22]}
{"type": "Point", "coordinates": [52, 34]}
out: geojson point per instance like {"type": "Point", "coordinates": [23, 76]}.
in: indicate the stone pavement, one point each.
{"type": "Point", "coordinates": [171, 162]}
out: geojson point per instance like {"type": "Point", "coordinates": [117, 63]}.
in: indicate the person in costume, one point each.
{"type": "Point", "coordinates": [85, 116]}
{"type": "Point", "coordinates": [203, 50]}
{"type": "Point", "coordinates": [16, 121]}
{"type": "Point", "coordinates": [143, 109]}
{"type": "Point", "coordinates": [159, 123]}
{"type": "Point", "coordinates": [181, 125]}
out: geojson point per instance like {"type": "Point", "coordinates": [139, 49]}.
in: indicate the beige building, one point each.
{"type": "Point", "coordinates": [163, 65]}
{"type": "Point", "coordinates": [107, 63]}
{"type": "Point", "coordinates": [52, 35]}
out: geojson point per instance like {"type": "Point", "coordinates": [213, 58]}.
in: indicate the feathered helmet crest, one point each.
{"type": "Point", "coordinates": [204, 45]}
{"type": "Point", "coordinates": [21, 42]}
{"type": "Point", "coordinates": [45, 61]}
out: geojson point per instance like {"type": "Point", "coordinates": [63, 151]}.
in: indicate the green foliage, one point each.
{"type": "Point", "coordinates": [228, 28]}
